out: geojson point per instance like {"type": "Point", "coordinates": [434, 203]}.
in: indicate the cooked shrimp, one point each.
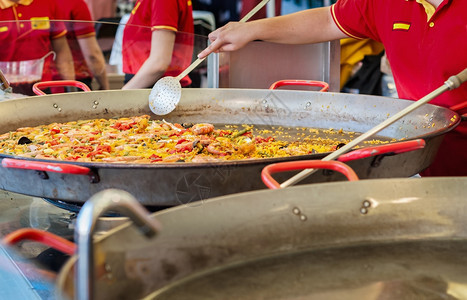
{"type": "Point", "coordinates": [185, 146]}
{"type": "Point", "coordinates": [173, 158]}
{"type": "Point", "coordinates": [172, 125]}
{"type": "Point", "coordinates": [203, 128]}
{"type": "Point", "coordinates": [213, 148]}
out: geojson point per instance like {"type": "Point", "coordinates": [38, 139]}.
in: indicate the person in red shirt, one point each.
{"type": "Point", "coordinates": [157, 42]}
{"type": "Point", "coordinates": [425, 43]}
{"type": "Point", "coordinates": [88, 58]}
{"type": "Point", "coordinates": [102, 8]}
{"type": "Point", "coordinates": [28, 32]}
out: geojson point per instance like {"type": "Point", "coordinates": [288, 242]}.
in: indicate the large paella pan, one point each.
{"type": "Point", "coordinates": [370, 239]}
{"type": "Point", "coordinates": [177, 183]}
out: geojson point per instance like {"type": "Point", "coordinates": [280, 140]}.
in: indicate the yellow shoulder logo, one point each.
{"type": "Point", "coordinates": [3, 29]}
{"type": "Point", "coordinates": [40, 23]}
{"type": "Point", "coordinates": [401, 26]}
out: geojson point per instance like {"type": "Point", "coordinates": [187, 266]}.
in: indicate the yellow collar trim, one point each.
{"type": "Point", "coordinates": [7, 3]}
{"type": "Point", "coordinates": [429, 9]}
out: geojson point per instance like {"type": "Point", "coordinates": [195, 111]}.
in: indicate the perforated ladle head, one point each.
{"type": "Point", "coordinates": [167, 91]}
{"type": "Point", "coordinates": [165, 95]}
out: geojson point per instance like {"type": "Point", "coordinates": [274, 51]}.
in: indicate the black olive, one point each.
{"type": "Point", "coordinates": [340, 145]}
{"type": "Point", "coordinates": [187, 125]}
{"type": "Point", "coordinates": [180, 160]}
{"type": "Point", "coordinates": [24, 141]}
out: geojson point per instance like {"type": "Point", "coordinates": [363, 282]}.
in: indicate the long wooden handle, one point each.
{"type": "Point", "coordinates": [3, 82]}
{"type": "Point", "coordinates": [452, 83]}
{"type": "Point", "coordinates": [456, 80]}
{"type": "Point", "coordinates": [200, 60]}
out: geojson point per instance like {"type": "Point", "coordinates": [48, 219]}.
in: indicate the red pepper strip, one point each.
{"type": "Point", "coordinates": [104, 148]}
{"type": "Point", "coordinates": [54, 142]}
{"type": "Point", "coordinates": [155, 158]}
{"type": "Point", "coordinates": [81, 149]}
{"type": "Point", "coordinates": [123, 126]}
{"type": "Point", "coordinates": [259, 139]}
{"type": "Point", "coordinates": [73, 157]}
{"type": "Point", "coordinates": [222, 133]}
{"type": "Point", "coordinates": [42, 237]}
{"type": "Point", "coordinates": [93, 153]}
{"type": "Point", "coordinates": [184, 146]}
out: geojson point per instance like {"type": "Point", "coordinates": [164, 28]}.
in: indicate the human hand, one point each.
{"type": "Point", "coordinates": [230, 37]}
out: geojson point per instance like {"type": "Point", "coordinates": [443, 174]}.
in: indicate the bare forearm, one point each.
{"type": "Point", "coordinates": [309, 26]}
{"type": "Point", "coordinates": [162, 43]}
{"type": "Point", "coordinates": [64, 59]}
{"type": "Point", "coordinates": [147, 75]}
{"type": "Point", "coordinates": [95, 60]}
{"type": "Point", "coordinates": [304, 27]}
{"type": "Point", "coordinates": [65, 68]}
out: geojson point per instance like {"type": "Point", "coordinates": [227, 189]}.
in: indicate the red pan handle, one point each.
{"type": "Point", "coordinates": [395, 148]}
{"type": "Point", "coordinates": [324, 86]}
{"type": "Point", "coordinates": [45, 166]}
{"type": "Point", "coordinates": [42, 237]}
{"type": "Point", "coordinates": [36, 88]}
{"type": "Point", "coordinates": [301, 165]}
{"type": "Point", "coordinates": [459, 106]}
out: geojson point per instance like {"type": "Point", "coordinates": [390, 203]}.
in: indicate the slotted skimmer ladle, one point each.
{"type": "Point", "coordinates": [167, 91]}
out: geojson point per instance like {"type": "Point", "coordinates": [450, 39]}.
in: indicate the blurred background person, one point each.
{"type": "Point", "coordinates": [223, 11]}
{"type": "Point", "coordinates": [101, 9]}
{"type": "Point", "coordinates": [33, 34]}
{"type": "Point", "coordinates": [156, 43]}
{"type": "Point", "coordinates": [88, 59]}
{"type": "Point", "coordinates": [248, 5]}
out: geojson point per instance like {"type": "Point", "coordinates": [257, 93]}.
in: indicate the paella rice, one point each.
{"type": "Point", "coordinates": [142, 140]}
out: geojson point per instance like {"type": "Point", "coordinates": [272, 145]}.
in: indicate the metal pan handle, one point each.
{"type": "Point", "coordinates": [324, 86]}
{"type": "Point", "coordinates": [41, 236]}
{"type": "Point", "coordinates": [36, 88]}
{"type": "Point", "coordinates": [301, 165]}
{"type": "Point", "coordinates": [388, 149]}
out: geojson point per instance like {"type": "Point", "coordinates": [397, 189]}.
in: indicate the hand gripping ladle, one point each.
{"type": "Point", "coordinates": [167, 91]}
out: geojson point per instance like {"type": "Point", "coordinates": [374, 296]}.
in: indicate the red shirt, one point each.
{"type": "Point", "coordinates": [175, 15]}
{"type": "Point", "coordinates": [423, 54]}
{"type": "Point", "coordinates": [76, 11]}
{"type": "Point", "coordinates": [29, 35]}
